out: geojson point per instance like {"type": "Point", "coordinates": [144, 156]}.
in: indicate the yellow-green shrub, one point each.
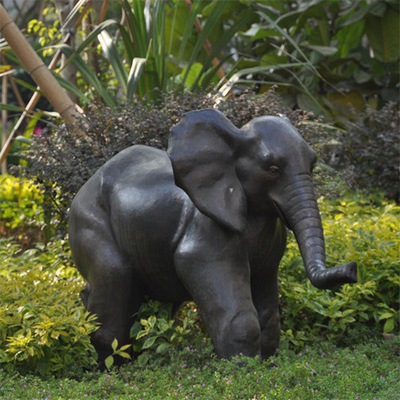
{"type": "Point", "coordinates": [365, 231]}
{"type": "Point", "coordinates": [43, 324]}
{"type": "Point", "coordinates": [19, 202]}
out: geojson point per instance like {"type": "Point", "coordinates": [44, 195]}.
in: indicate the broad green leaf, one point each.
{"type": "Point", "coordinates": [123, 354]}
{"type": "Point", "coordinates": [389, 326]}
{"type": "Point", "coordinates": [161, 348]}
{"type": "Point", "coordinates": [142, 334]}
{"type": "Point", "coordinates": [193, 73]}
{"type": "Point", "coordinates": [149, 342]}
{"type": "Point", "coordinates": [158, 42]}
{"type": "Point", "coordinates": [361, 77]}
{"type": "Point", "coordinates": [136, 328]}
{"type": "Point", "coordinates": [349, 37]}
{"type": "Point", "coordinates": [114, 344]}
{"type": "Point", "coordinates": [385, 315]}
{"type": "Point", "coordinates": [109, 361]}
{"type": "Point", "coordinates": [383, 35]}
{"type": "Point", "coordinates": [143, 359]}
{"type": "Point", "coordinates": [307, 103]}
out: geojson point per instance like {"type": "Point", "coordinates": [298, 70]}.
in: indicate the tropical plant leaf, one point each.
{"type": "Point", "coordinates": [114, 58]}
{"type": "Point", "coordinates": [70, 87]}
{"type": "Point", "coordinates": [28, 85]}
{"type": "Point", "coordinates": [187, 33]}
{"type": "Point", "coordinates": [383, 35]}
{"type": "Point", "coordinates": [136, 25]}
{"type": "Point", "coordinates": [207, 29]}
{"type": "Point", "coordinates": [289, 39]}
{"type": "Point", "coordinates": [10, 107]}
{"type": "Point", "coordinates": [135, 73]}
{"type": "Point", "coordinates": [222, 43]}
{"type": "Point", "coordinates": [224, 90]}
{"type": "Point", "coordinates": [88, 74]}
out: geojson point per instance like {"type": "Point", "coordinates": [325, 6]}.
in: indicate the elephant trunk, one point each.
{"type": "Point", "coordinates": [301, 214]}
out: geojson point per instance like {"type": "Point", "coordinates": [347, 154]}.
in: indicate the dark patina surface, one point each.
{"type": "Point", "coordinates": [203, 221]}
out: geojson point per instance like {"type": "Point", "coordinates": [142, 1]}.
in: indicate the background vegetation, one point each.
{"type": "Point", "coordinates": [332, 68]}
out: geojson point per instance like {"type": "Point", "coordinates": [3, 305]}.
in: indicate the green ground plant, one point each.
{"type": "Point", "coordinates": [366, 371]}
{"type": "Point", "coordinates": [44, 327]}
{"type": "Point", "coordinates": [363, 229]}
{"type": "Point", "coordinates": [19, 203]}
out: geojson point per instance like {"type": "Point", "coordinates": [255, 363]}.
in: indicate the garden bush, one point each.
{"type": "Point", "coordinates": [44, 327]}
{"type": "Point", "coordinates": [63, 160]}
{"type": "Point", "coordinates": [20, 212]}
{"type": "Point", "coordinates": [371, 146]}
{"type": "Point", "coordinates": [365, 230]}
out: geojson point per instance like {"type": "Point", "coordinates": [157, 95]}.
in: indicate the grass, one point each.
{"type": "Point", "coordinates": [366, 371]}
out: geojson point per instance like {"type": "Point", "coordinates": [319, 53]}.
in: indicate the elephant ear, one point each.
{"type": "Point", "coordinates": [202, 151]}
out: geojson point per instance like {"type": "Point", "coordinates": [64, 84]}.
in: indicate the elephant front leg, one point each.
{"type": "Point", "coordinates": [265, 297]}
{"type": "Point", "coordinates": [218, 278]}
{"type": "Point", "coordinates": [264, 288]}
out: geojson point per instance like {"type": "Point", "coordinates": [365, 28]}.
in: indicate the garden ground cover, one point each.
{"type": "Point", "coordinates": [365, 371]}
{"type": "Point", "coordinates": [332, 344]}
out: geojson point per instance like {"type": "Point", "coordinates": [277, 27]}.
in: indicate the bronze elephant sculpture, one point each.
{"type": "Point", "coordinates": [203, 221]}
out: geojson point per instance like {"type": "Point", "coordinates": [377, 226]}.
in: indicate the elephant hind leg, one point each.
{"type": "Point", "coordinates": [113, 293]}
{"type": "Point", "coordinates": [85, 295]}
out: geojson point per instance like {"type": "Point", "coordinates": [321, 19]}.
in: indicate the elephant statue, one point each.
{"type": "Point", "coordinates": [204, 221]}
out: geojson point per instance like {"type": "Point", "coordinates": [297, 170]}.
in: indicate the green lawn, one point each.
{"type": "Point", "coordinates": [366, 371]}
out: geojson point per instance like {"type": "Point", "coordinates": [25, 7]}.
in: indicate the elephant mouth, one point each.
{"type": "Point", "coordinates": [280, 214]}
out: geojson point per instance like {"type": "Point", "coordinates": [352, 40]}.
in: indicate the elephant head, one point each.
{"type": "Point", "coordinates": [264, 169]}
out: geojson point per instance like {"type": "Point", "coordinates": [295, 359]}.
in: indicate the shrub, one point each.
{"type": "Point", "coordinates": [20, 211]}
{"type": "Point", "coordinates": [156, 329]}
{"type": "Point", "coordinates": [365, 231]}
{"type": "Point", "coordinates": [68, 162]}
{"type": "Point", "coordinates": [43, 325]}
{"type": "Point", "coordinates": [371, 147]}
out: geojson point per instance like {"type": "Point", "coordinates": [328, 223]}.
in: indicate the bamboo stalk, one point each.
{"type": "Point", "coordinates": [17, 93]}
{"type": "Point", "coordinates": [13, 85]}
{"type": "Point", "coordinates": [36, 68]}
{"type": "Point", "coordinates": [36, 96]}
{"type": "Point", "coordinates": [4, 91]}
{"type": "Point", "coordinates": [103, 10]}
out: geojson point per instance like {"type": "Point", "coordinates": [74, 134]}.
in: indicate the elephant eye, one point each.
{"type": "Point", "coordinates": [273, 170]}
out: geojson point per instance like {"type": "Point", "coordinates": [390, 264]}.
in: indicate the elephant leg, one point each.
{"type": "Point", "coordinates": [217, 275]}
{"type": "Point", "coordinates": [265, 298]}
{"type": "Point", "coordinates": [112, 293]}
